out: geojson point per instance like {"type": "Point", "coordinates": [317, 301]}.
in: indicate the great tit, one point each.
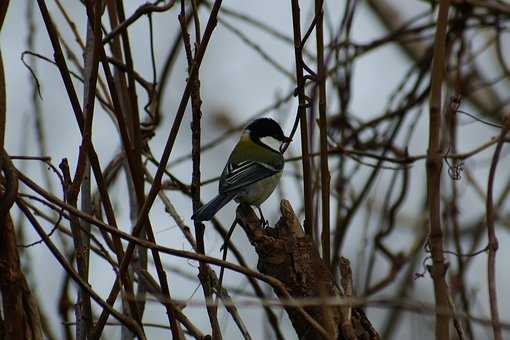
{"type": "Point", "coordinates": [253, 169]}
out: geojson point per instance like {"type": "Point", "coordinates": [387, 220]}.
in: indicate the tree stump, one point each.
{"type": "Point", "coordinates": [286, 253]}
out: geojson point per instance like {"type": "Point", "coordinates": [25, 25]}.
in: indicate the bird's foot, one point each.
{"type": "Point", "coordinates": [264, 223]}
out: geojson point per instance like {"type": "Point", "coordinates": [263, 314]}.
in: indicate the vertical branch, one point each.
{"type": "Point", "coordinates": [3, 106]}
{"type": "Point", "coordinates": [493, 240]}
{"type": "Point", "coordinates": [22, 321]}
{"type": "Point", "coordinates": [434, 166]}
{"type": "Point", "coordinates": [456, 231]}
{"type": "Point", "coordinates": [325, 176]}
{"type": "Point", "coordinates": [303, 121]}
{"type": "Point", "coordinates": [3, 11]}
{"type": "Point", "coordinates": [82, 176]}
{"type": "Point", "coordinates": [196, 102]}
{"type": "Point", "coordinates": [83, 310]}
{"type": "Point", "coordinates": [81, 239]}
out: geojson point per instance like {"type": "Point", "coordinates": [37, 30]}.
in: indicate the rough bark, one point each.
{"type": "Point", "coordinates": [20, 312]}
{"type": "Point", "coordinates": [286, 253]}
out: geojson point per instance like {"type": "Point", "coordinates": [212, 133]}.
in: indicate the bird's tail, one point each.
{"type": "Point", "coordinates": [208, 210]}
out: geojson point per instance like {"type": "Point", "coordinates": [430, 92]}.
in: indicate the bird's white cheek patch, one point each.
{"type": "Point", "coordinates": [272, 142]}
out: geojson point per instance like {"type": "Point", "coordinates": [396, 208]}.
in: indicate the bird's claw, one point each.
{"type": "Point", "coordinates": [264, 223]}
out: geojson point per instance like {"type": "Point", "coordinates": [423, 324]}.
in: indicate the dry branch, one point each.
{"type": "Point", "coordinates": [286, 253]}
{"type": "Point", "coordinates": [493, 240]}
{"type": "Point", "coordinates": [289, 261]}
{"type": "Point", "coordinates": [20, 312]}
{"type": "Point", "coordinates": [434, 166]}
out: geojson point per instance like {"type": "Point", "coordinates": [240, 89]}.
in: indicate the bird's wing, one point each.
{"type": "Point", "coordinates": [243, 174]}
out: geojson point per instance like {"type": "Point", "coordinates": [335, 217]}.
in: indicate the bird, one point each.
{"type": "Point", "coordinates": [253, 169]}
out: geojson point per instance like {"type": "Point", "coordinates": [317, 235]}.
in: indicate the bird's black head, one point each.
{"type": "Point", "coordinates": [267, 133]}
{"type": "Point", "coordinates": [266, 127]}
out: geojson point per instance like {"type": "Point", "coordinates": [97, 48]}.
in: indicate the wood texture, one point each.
{"type": "Point", "coordinates": [286, 253]}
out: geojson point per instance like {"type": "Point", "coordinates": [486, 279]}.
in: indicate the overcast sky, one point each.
{"type": "Point", "coordinates": [237, 81]}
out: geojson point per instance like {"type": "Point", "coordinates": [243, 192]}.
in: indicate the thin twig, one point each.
{"type": "Point", "coordinates": [493, 241]}
{"type": "Point", "coordinates": [140, 11]}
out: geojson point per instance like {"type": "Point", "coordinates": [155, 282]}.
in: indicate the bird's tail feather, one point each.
{"type": "Point", "coordinates": [208, 210]}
